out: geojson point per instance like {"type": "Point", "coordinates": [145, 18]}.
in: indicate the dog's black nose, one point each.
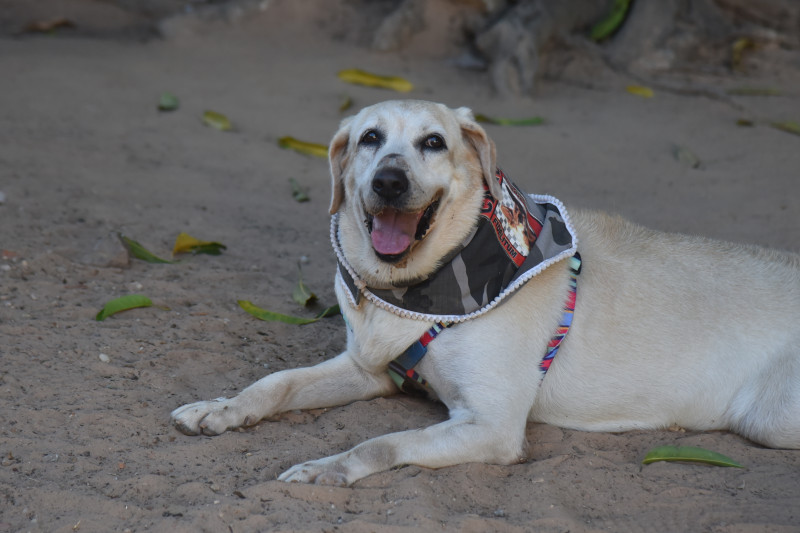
{"type": "Point", "coordinates": [390, 182]}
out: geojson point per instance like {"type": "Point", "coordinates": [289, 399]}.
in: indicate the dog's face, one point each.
{"type": "Point", "coordinates": [408, 182]}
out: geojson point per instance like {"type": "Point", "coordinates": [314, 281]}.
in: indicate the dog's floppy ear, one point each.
{"type": "Point", "coordinates": [337, 156]}
{"type": "Point", "coordinates": [484, 147]}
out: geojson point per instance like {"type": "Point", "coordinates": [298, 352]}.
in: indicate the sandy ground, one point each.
{"type": "Point", "coordinates": [86, 445]}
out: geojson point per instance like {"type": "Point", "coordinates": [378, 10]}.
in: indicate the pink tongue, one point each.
{"type": "Point", "coordinates": [393, 231]}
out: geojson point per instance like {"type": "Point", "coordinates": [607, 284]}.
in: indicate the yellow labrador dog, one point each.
{"type": "Point", "coordinates": [455, 283]}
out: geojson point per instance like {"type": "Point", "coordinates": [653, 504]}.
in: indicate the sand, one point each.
{"type": "Point", "coordinates": [85, 439]}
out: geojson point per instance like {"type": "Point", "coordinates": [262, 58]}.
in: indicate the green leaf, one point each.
{"type": "Point", "coordinates": [753, 91]}
{"type": "Point", "coordinates": [301, 294]}
{"type": "Point", "coordinates": [689, 454]}
{"type": "Point", "coordinates": [329, 312]}
{"type": "Point", "coordinates": [788, 126]}
{"type": "Point", "coordinates": [307, 148]}
{"type": "Point", "coordinates": [360, 77]}
{"type": "Point", "coordinates": [270, 316]}
{"type": "Point", "coordinates": [140, 252]}
{"type": "Point", "coordinates": [168, 102]}
{"type": "Point", "coordinates": [686, 157]}
{"type": "Point", "coordinates": [217, 120]}
{"type": "Point", "coordinates": [123, 303]}
{"type": "Point", "coordinates": [532, 121]}
{"type": "Point", "coordinates": [606, 27]}
{"type": "Point", "coordinates": [298, 193]}
{"type": "Point", "coordinates": [746, 123]}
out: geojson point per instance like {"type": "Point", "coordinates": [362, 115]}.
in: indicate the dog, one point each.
{"type": "Point", "coordinates": [664, 329]}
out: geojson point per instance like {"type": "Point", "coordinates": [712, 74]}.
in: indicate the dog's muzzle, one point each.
{"type": "Point", "coordinates": [393, 230]}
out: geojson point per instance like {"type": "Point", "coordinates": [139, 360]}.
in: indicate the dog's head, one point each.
{"type": "Point", "coordinates": [408, 183]}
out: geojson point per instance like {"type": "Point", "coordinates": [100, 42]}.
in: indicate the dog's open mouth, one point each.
{"type": "Point", "coordinates": [393, 231]}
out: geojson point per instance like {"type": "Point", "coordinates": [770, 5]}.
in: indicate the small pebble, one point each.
{"type": "Point", "coordinates": [105, 358]}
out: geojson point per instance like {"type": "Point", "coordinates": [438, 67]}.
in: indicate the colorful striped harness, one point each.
{"type": "Point", "coordinates": [408, 380]}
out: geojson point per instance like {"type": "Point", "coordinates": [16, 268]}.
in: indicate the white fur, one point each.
{"type": "Point", "coordinates": [668, 329]}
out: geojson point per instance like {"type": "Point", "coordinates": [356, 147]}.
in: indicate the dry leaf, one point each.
{"type": "Point", "coordinates": [48, 26]}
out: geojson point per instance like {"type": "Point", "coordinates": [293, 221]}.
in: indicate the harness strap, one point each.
{"type": "Point", "coordinates": [402, 370]}
{"type": "Point", "coordinates": [566, 318]}
{"type": "Point", "coordinates": [409, 381]}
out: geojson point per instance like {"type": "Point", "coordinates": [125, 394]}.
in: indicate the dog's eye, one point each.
{"type": "Point", "coordinates": [434, 142]}
{"type": "Point", "coordinates": [370, 137]}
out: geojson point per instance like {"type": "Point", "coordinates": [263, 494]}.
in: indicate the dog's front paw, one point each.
{"type": "Point", "coordinates": [328, 471]}
{"type": "Point", "coordinates": [208, 418]}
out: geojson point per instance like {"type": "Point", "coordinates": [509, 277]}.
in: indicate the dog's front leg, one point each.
{"type": "Point", "coordinates": [462, 439]}
{"type": "Point", "coordinates": [334, 382]}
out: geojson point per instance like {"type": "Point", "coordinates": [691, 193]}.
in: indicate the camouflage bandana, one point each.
{"type": "Point", "coordinates": [516, 237]}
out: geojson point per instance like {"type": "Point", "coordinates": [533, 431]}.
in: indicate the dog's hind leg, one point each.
{"type": "Point", "coordinates": [767, 410]}
{"type": "Point", "coordinates": [334, 382]}
{"type": "Point", "coordinates": [461, 439]}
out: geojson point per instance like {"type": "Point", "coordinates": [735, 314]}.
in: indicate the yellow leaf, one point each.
{"type": "Point", "coordinates": [738, 49]}
{"type": "Point", "coordinates": [345, 103]}
{"type": "Point", "coordinates": [639, 90]}
{"type": "Point", "coordinates": [186, 243]}
{"type": "Point", "coordinates": [532, 121]}
{"type": "Point", "coordinates": [318, 150]}
{"type": "Point", "coordinates": [360, 77]}
{"type": "Point", "coordinates": [217, 120]}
